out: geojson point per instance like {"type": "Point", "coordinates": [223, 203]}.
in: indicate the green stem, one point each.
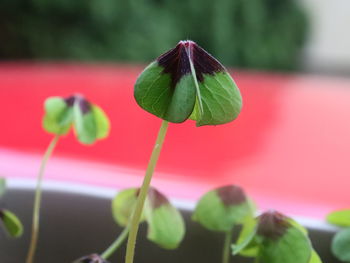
{"type": "Point", "coordinates": [114, 246]}
{"type": "Point", "coordinates": [37, 201]}
{"type": "Point", "coordinates": [135, 220]}
{"type": "Point", "coordinates": [227, 247]}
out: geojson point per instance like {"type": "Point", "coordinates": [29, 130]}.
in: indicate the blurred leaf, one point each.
{"type": "Point", "coordinates": [11, 223]}
{"type": "Point", "coordinates": [292, 247]}
{"type": "Point", "coordinates": [101, 121]}
{"type": "Point", "coordinates": [123, 205]}
{"type": "Point", "coordinates": [282, 240]}
{"type": "Point", "coordinates": [341, 245]}
{"type": "Point", "coordinates": [315, 258]}
{"type": "Point", "coordinates": [166, 226]}
{"type": "Point", "coordinates": [339, 218]}
{"type": "Point", "coordinates": [297, 225]}
{"type": "Point", "coordinates": [58, 116]}
{"type": "Point", "coordinates": [2, 186]}
{"type": "Point", "coordinates": [89, 121]}
{"type": "Point", "coordinates": [222, 208]}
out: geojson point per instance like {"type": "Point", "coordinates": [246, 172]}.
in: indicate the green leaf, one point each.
{"type": "Point", "coordinates": [188, 83]}
{"type": "Point", "coordinates": [84, 126]}
{"type": "Point", "coordinates": [101, 121]}
{"type": "Point", "coordinates": [222, 208]}
{"type": "Point", "coordinates": [341, 245]}
{"type": "Point", "coordinates": [246, 244]}
{"type": "Point", "coordinates": [154, 93]}
{"type": "Point", "coordinates": [221, 99]}
{"type": "Point", "coordinates": [315, 258]}
{"type": "Point", "coordinates": [58, 116]}
{"type": "Point", "coordinates": [11, 223]}
{"type": "Point", "coordinates": [123, 205]}
{"type": "Point", "coordinates": [166, 226]}
{"type": "Point", "coordinates": [339, 218]}
{"type": "Point", "coordinates": [89, 121]}
{"type": "Point", "coordinates": [297, 225]}
{"type": "Point", "coordinates": [293, 246]}
{"type": "Point", "coordinates": [2, 186]}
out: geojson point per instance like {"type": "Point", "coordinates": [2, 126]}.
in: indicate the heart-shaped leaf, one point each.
{"type": "Point", "coordinates": [187, 82]}
{"type": "Point", "coordinates": [339, 218]}
{"type": "Point", "coordinates": [11, 223]}
{"type": "Point", "coordinates": [341, 245]}
{"type": "Point", "coordinates": [166, 226]}
{"type": "Point", "coordinates": [88, 120]}
{"type": "Point", "coordinates": [2, 186]}
{"type": "Point", "coordinates": [222, 208]}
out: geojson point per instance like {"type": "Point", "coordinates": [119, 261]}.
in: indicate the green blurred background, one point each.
{"type": "Point", "coordinates": [261, 34]}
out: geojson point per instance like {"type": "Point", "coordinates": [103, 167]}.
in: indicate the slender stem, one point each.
{"type": "Point", "coordinates": [227, 245]}
{"type": "Point", "coordinates": [135, 220]}
{"type": "Point", "coordinates": [114, 246]}
{"type": "Point", "coordinates": [37, 201]}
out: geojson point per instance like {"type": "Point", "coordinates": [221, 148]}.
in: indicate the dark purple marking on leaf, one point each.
{"type": "Point", "coordinates": [272, 224]}
{"type": "Point", "coordinates": [231, 195]}
{"type": "Point", "coordinates": [155, 197]}
{"type": "Point", "coordinates": [83, 104]}
{"type": "Point", "coordinates": [176, 62]}
{"type": "Point", "coordinates": [93, 258]}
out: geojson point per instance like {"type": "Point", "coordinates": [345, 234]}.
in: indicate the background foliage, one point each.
{"type": "Point", "coordinates": [256, 33]}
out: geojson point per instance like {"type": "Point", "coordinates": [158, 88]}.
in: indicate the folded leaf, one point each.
{"type": "Point", "coordinates": [187, 82]}
{"type": "Point", "coordinates": [89, 121]}
{"type": "Point", "coordinates": [11, 223]}
{"type": "Point", "coordinates": [123, 206]}
{"type": "Point", "coordinates": [222, 208]}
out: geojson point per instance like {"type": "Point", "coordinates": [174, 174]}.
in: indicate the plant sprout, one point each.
{"type": "Point", "coordinates": [10, 221]}
{"type": "Point", "coordinates": [89, 123]}
{"type": "Point", "coordinates": [275, 238]}
{"type": "Point", "coordinates": [341, 241]}
{"type": "Point", "coordinates": [184, 83]}
{"type": "Point", "coordinates": [221, 210]}
{"type": "Point", "coordinates": [166, 227]}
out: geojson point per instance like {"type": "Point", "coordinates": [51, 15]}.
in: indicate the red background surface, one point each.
{"type": "Point", "coordinates": [289, 147]}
